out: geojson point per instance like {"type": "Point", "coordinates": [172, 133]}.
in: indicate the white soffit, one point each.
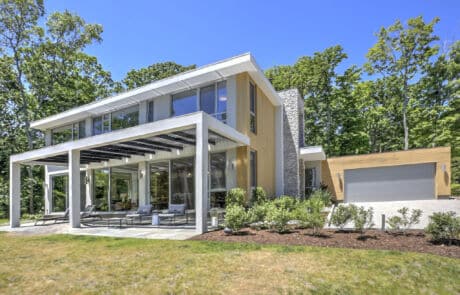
{"type": "Point", "coordinates": [312, 153]}
{"type": "Point", "coordinates": [187, 80]}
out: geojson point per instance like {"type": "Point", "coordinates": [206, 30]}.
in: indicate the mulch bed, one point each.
{"type": "Point", "coordinates": [414, 240]}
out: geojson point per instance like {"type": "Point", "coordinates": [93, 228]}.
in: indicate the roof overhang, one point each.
{"type": "Point", "coordinates": [184, 81]}
{"type": "Point", "coordinates": [312, 153]}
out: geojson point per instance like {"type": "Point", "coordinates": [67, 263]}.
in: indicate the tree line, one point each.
{"type": "Point", "coordinates": [405, 96]}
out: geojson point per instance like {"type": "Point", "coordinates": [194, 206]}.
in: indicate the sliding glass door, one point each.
{"type": "Point", "coordinates": [159, 185]}
{"type": "Point", "coordinates": [60, 192]}
{"type": "Point", "coordinates": [101, 189]}
{"type": "Point", "coordinates": [182, 182]}
{"type": "Point", "coordinates": [124, 183]}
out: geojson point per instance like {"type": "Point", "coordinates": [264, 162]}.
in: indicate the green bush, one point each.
{"type": "Point", "coordinates": [285, 202]}
{"type": "Point", "coordinates": [342, 215]}
{"type": "Point", "coordinates": [277, 217]}
{"type": "Point", "coordinates": [258, 196]}
{"type": "Point", "coordinates": [363, 219]}
{"type": "Point", "coordinates": [455, 188]}
{"type": "Point", "coordinates": [324, 195]}
{"type": "Point", "coordinates": [235, 217]}
{"type": "Point", "coordinates": [444, 227]}
{"type": "Point", "coordinates": [235, 196]}
{"type": "Point", "coordinates": [405, 221]}
{"type": "Point", "coordinates": [258, 212]}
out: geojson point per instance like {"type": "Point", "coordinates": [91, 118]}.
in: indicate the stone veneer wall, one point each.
{"type": "Point", "coordinates": [293, 140]}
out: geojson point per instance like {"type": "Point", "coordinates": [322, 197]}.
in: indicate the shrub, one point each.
{"type": "Point", "coordinates": [258, 212]}
{"type": "Point", "coordinates": [258, 196]}
{"type": "Point", "coordinates": [235, 196]}
{"type": "Point", "coordinates": [277, 217]}
{"type": "Point", "coordinates": [444, 226]}
{"type": "Point", "coordinates": [324, 195]}
{"type": "Point", "coordinates": [285, 202]}
{"type": "Point", "coordinates": [310, 214]}
{"type": "Point", "coordinates": [455, 187]}
{"type": "Point", "coordinates": [342, 215]}
{"type": "Point", "coordinates": [405, 221]}
{"type": "Point", "coordinates": [235, 217]}
{"type": "Point", "coordinates": [363, 219]}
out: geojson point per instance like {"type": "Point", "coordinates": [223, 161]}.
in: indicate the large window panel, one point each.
{"type": "Point", "coordinates": [253, 168]}
{"type": "Point", "coordinates": [217, 171]}
{"type": "Point", "coordinates": [159, 185]}
{"type": "Point", "coordinates": [221, 112]}
{"type": "Point", "coordinates": [60, 196]}
{"type": "Point", "coordinates": [252, 107]}
{"type": "Point", "coordinates": [124, 182]}
{"type": "Point", "coordinates": [101, 189]}
{"type": "Point", "coordinates": [62, 134]}
{"type": "Point", "coordinates": [184, 103]}
{"type": "Point", "coordinates": [208, 99]}
{"type": "Point", "coordinates": [182, 182]}
{"type": "Point", "coordinates": [125, 118]}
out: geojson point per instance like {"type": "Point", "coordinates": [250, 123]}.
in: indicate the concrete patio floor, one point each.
{"type": "Point", "coordinates": [131, 232]}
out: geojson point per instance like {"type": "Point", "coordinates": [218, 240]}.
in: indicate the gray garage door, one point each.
{"type": "Point", "coordinates": [395, 183]}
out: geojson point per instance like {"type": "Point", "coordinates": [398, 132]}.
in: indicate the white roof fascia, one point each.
{"type": "Point", "coordinates": [187, 80]}
{"type": "Point", "coordinates": [312, 153]}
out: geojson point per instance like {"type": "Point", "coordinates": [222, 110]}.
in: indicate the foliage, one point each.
{"type": "Point", "coordinates": [235, 217]}
{"type": "Point", "coordinates": [259, 196]}
{"type": "Point", "coordinates": [258, 212]}
{"type": "Point", "coordinates": [444, 227]}
{"type": "Point", "coordinates": [363, 219]}
{"type": "Point", "coordinates": [277, 217]}
{"type": "Point", "coordinates": [324, 195]}
{"type": "Point", "coordinates": [235, 196]}
{"type": "Point", "coordinates": [310, 214]}
{"type": "Point", "coordinates": [285, 202]}
{"type": "Point", "coordinates": [405, 221]}
{"type": "Point", "coordinates": [342, 215]}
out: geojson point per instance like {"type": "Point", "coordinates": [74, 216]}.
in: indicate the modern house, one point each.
{"type": "Point", "coordinates": [189, 138]}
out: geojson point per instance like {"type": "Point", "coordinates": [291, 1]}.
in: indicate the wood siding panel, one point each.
{"type": "Point", "coordinates": [333, 168]}
{"type": "Point", "coordinates": [263, 142]}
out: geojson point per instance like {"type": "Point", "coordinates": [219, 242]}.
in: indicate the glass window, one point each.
{"type": "Point", "coordinates": [101, 189]}
{"type": "Point", "coordinates": [123, 185]}
{"type": "Point", "coordinates": [252, 107]}
{"type": "Point", "coordinates": [184, 103]}
{"type": "Point", "coordinates": [221, 113]}
{"type": "Point", "coordinates": [125, 118]}
{"type": "Point", "coordinates": [217, 171]}
{"type": "Point", "coordinates": [61, 134]}
{"type": "Point", "coordinates": [150, 112]}
{"type": "Point", "coordinates": [59, 193]}
{"type": "Point", "coordinates": [208, 99]}
{"type": "Point", "coordinates": [182, 182]}
{"type": "Point", "coordinates": [81, 129]}
{"type": "Point", "coordinates": [159, 185]}
{"type": "Point", "coordinates": [253, 167]}
{"type": "Point", "coordinates": [97, 125]}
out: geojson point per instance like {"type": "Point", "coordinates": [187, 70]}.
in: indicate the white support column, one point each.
{"type": "Point", "coordinates": [48, 191]}
{"type": "Point", "coordinates": [143, 198]}
{"type": "Point", "coordinates": [89, 187]}
{"type": "Point", "coordinates": [74, 188]}
{"type": "Point", "coordinates": [279, 151]}
{"type": "Point", "coordinates": [15, 194]}
{"type": "Point", "coordinates": [201, 177]}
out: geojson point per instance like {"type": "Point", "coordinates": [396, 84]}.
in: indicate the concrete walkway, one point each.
{"type": "Point", "coordinates": [133, 232]}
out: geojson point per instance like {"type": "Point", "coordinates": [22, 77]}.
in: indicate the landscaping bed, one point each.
{"type": "Point", "coordinates": [414, 241]}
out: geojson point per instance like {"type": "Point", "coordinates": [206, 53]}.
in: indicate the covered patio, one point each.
{"type": "Point", "coordinates": [180, 144]}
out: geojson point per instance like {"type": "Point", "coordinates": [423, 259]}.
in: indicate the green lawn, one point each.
{"type": "Point", "coordinates": [74, 264]}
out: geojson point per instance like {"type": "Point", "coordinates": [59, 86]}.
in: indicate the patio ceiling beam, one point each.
{"type": "Point", "coordinates": [112, 155]}
{"type": "Point", "coordinates": [143, 150]}
{"type": "Point", "coordinates": [176, 139]}
{"type": "Point", "coordinates": [159, 143]}
{"type": "Point", "coordinates": [146, 145]}
{"type": "Point", "coordinates": [126, 151]}
{"type": "Point", "coordinates": [187, 135]}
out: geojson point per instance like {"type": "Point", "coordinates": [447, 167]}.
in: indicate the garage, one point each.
{"type": "Point", "coordinates": [393, 183]}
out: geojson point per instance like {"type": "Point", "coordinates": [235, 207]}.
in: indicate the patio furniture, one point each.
{"type": "Point", "coordinates": [89, 213]}
{"type": "Point", "coordinates": [173, 211]}
{"type": "Point", "coordinates": [144, 211]}
{"type": "Point", "coordinates": [54, 217]}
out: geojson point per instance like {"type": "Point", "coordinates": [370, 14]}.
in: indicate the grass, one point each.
{"type": "Point", "coordinates": [76, 264]}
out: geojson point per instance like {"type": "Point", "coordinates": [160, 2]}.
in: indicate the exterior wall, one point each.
{"type": "Point", "coordinates": [333, 169]}
{"type": "Point", "coordinates": [263, 142]}
{"type": "Point", "coordinates": [293, 139]}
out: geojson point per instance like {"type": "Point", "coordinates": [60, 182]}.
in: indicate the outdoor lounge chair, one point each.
{"type": "Point", "coordinates": [64, 217]}
{"type": "Point", "coordinates": [173, 211]}
{"type": "Point", "coordinates": [89, 212]}
{"type": "Point", "coordinates": [144, 211]}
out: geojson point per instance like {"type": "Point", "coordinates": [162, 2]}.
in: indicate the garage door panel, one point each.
{"type": "Point", "coordinates": [396, 183]}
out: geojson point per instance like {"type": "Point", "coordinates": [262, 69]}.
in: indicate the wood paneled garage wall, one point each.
{"type": "Point", "coordinates": [333, 169]}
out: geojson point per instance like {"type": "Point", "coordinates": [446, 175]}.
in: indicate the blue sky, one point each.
{"type": "Point", "coordinates": [138, 33]}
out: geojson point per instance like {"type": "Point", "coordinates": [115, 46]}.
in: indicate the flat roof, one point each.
{"type": "Point", "coordinates": [183, 81]}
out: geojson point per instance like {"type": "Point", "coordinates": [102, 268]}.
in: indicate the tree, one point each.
{"type": "Point", "coordinates": [154, 72]}
{"type": "Point", "coordinates": [44, 71]}
{"type": "Point", "coordinates": [403, 53]}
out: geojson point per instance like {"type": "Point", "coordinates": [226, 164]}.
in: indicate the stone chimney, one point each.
{"type": "Point", "coordinates": [293, 140]}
